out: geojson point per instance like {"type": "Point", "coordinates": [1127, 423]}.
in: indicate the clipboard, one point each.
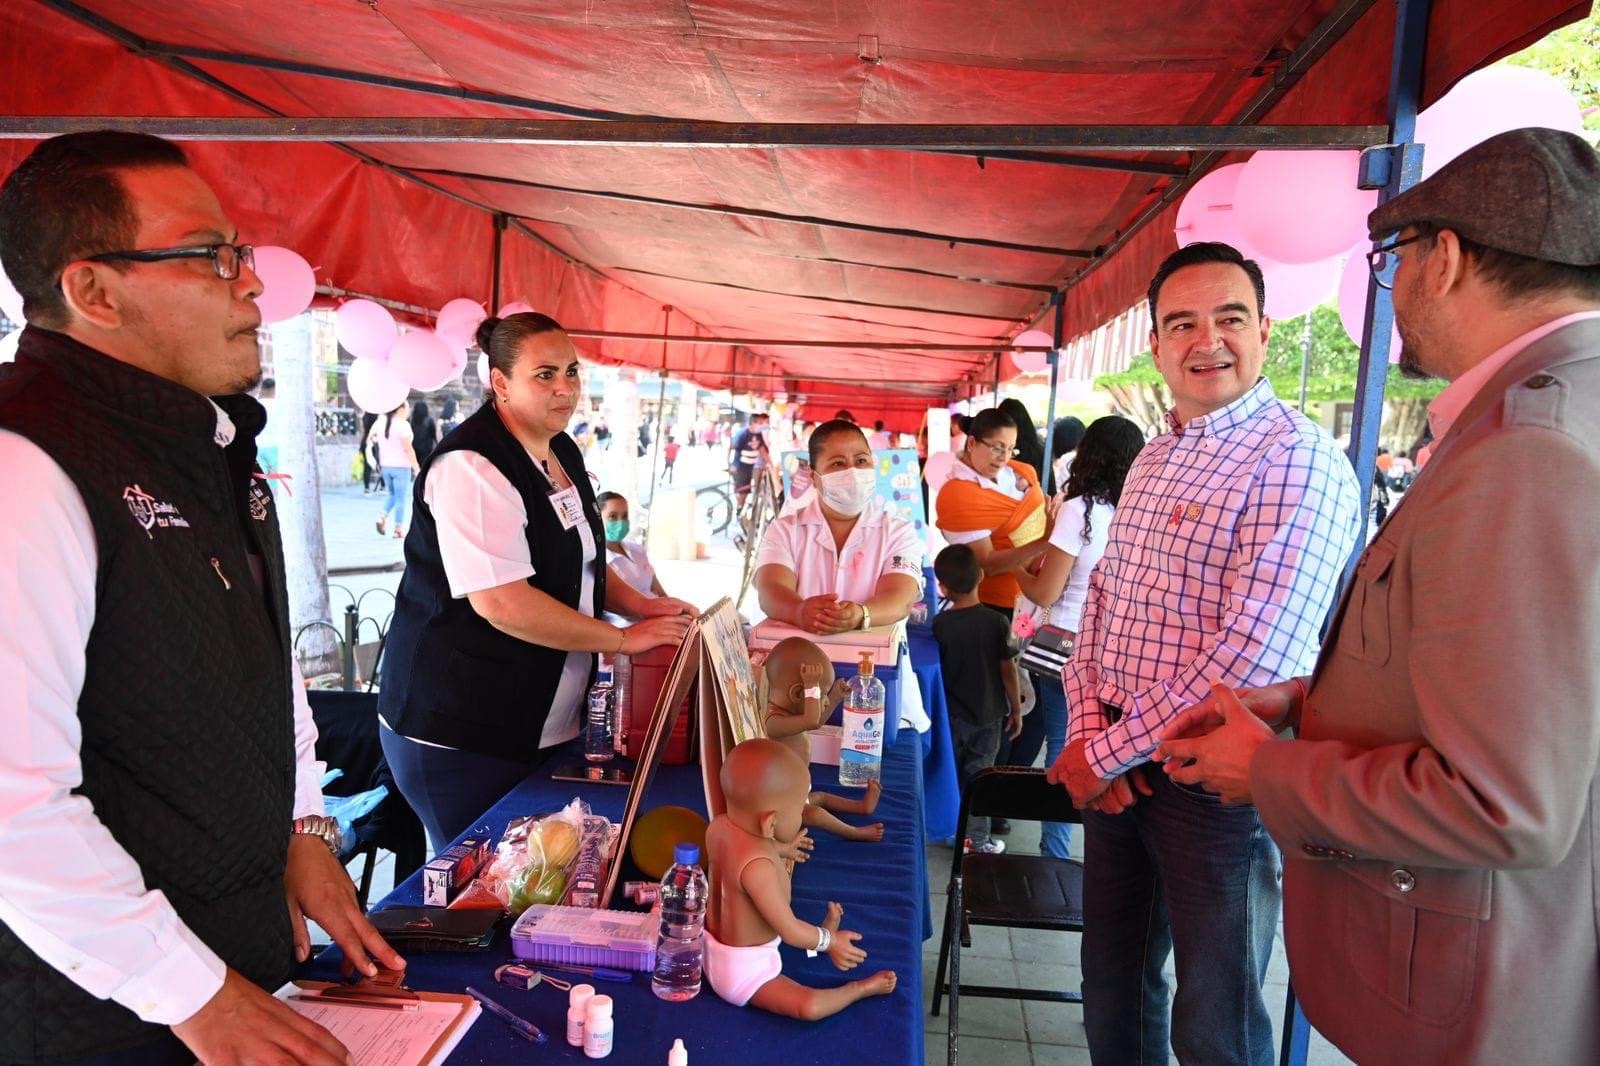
{"type": "Point", "coordinates": [381, 1022]}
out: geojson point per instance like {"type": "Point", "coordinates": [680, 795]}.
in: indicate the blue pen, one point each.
{"type": "Point", "coordinates": [597, 973]}
{"type": "Point", "coordinates": [523, 1028]}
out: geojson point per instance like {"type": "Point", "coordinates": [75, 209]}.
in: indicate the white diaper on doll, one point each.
{"type": "Point", "coordinates": [737, 973]}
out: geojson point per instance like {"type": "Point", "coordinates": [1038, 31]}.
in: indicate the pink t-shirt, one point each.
{"type": "Point", "coordinates": [391, 445]}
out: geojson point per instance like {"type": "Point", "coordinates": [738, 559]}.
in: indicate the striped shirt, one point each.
{"type": "Point", "coordinates": [1225, 556]}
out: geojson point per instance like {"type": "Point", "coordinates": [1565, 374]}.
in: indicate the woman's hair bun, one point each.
{"type": "Point", "coordinates": [485, 331]}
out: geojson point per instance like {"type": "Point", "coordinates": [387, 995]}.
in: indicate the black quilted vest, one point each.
{"type": "Point", "coordinates": [188, 725]}
{"type": "Point", "coordinates": [451, 678]}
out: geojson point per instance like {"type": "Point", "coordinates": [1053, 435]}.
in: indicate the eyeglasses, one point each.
{"type": "Point", "coordinates": [1383, 260]}
{"type": "Point", "coordinates": [1000, 451]}
{"type": "Point", "coordinates": [226, 259]}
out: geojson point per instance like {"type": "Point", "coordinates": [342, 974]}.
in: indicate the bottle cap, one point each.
{"type": "Point", "coordinates": [580, 995]}
{"type": "Point", "coordinates": [679, 1055]}
{"type": "Point", "coordinates": [599, 1009]}
{"type": "Point", "coordinates": [686, 854]}
{"type": "Point", "coordinates": [866, 664]}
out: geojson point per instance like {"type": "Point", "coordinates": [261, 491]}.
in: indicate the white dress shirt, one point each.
{"type": "Point", "coordinates": [483, 542]}
{"type": "Point", "coordinates": [68, 890]}
{"type": "Point", "coordinates": [632, 565]}
{"type": "Point", "coordinates": [879, 545]}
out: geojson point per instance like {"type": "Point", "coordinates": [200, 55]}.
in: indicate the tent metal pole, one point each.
{"type": "Point", "coordinates": [1053, 367]}
{"type": "Point", "coordinates": [661, 407]}
{"type": "Point", "coordinates": [780, 342]}
{"type": "Point", "coordinates": [500, 223]}
{"type": "Point", "coordinates": [673, 133]}
{"type": "Point", "coordinates": [1396, 169]}
{"type": "Point", "coordinates": [1403, 168]}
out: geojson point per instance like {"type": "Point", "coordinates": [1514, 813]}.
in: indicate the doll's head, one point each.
{"type": "Point", "coordinates": [782, 672]}
{"type": "Point", "coordinates": [765, 787]}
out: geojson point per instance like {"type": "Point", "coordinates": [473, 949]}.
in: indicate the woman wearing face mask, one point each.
{"type": "Point", "coordinates": [496, 623]}
{"type": "Point", "coordinates": [841, 561]}
{"type": "Point", "coordinates": [626, 558]}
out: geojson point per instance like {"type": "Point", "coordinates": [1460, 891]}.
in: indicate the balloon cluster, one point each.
{"type": "Point", "coordinates": [1300, 215]}
{"type": "Point", "coordinates": [390, 363]}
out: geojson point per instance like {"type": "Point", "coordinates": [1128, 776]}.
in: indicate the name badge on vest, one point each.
{"type": "Point", "coordinates": [568, 505]}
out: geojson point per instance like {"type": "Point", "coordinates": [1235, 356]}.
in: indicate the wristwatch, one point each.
{"type": "Point", "coordinates": [322, 827]}
{"type": "Point", "coordinates": [866, 617]}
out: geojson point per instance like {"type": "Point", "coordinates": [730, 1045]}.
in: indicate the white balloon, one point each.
{"type": "Point", "coordinates": [8, 345]}
{"type": "Point", "coordinates": [426, 361]}
{"type": "Point", "coordinates": [365, 329]}
{"type": "Point", "coordinates": [374, 387]}
{"type": "Point", "coordinates": [483, 369]}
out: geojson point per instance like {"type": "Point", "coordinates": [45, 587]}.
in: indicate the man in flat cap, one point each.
{"type": "Point", "coordinates": [1439, 811]}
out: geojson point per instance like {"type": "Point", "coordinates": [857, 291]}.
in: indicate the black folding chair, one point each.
{"type": "Point", "coordinates": [347, 739]}
{"type": "Point", "coordinates": [1008, 890]}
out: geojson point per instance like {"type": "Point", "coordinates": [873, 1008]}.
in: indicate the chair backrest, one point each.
{"type": "Point", "coordinates": [1016, 792]}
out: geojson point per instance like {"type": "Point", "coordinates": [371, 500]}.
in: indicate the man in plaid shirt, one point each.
{"type": "Point", "coordinates": [1225, 556]}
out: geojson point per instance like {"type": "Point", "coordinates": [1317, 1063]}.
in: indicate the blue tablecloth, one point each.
{"type": "Point", "coordinates": [941, 786]}
{"type": "Point", "coordinates": [883, 888]}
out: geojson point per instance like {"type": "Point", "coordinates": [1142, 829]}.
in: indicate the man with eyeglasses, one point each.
{"type": "Point", "coordinates": [1223, 558]}
{"type": "Point", "coordinates": [1440, 805]}
{"type": "Point", "coordinates": [162, 837]}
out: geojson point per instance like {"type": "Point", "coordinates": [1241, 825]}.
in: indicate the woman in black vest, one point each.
{"type": "Point", "coordinates": [495, 631]}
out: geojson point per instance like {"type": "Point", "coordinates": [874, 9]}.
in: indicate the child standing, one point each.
{"type": "Point", "coordinates": [977, 657]}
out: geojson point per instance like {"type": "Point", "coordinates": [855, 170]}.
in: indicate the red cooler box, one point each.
{"type": "Point", "coordinates": [648, 674]}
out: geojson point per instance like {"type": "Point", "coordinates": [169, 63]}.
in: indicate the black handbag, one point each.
{"type": "Point", "coordinates": [1046, 652]}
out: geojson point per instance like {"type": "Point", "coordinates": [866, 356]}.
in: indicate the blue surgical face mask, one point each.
{"type": "Point", "coordinates": [616, 529]}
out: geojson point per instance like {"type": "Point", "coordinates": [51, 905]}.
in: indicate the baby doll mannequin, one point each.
{"type": "Point", "coordinates": [801, 693]}
{"type": "Point", "coordinates": [765, 787]}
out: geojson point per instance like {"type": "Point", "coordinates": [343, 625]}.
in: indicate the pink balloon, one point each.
{"type": "Point", "coordinates": [365, 329]}
{"type": "Point", "coordinates": [10, 299]}
{"type": "Point", "coordinates": [1353, 300]}
{"type": "Point", "coordinates": [375, 387]}
{"type": "Point", "coordinates": [1295, 288]}
{"type": "Point", "coordinates": [458, 321]}
{"type": "Point", "coordinates": [515, 307]}
{"type": "Point", "coordinates": [1206, 212]}
{"type": "Point", "coordinates": [425, 361]}
{"type": "Point", "coordinates": [287, 283]}
{"type": "Point", "coordinates": [1031, 362]}
{"type": "Point", "coordinates": [1299, 207]}
{"type": "Point", "coordinates": [1490, 101]}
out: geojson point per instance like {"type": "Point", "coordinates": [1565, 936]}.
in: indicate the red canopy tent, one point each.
{"type": "Point", "coordinates": [854, 245]}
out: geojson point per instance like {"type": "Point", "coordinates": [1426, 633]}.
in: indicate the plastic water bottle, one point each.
{"type": "Point", "coordinates": [861, 746]}
{"type": "Point", "coordinates": [683, 918]}
{"type": "Point", "coordinates": [621, 703]}
{"type": "Point", "coordinates": [597, 728]}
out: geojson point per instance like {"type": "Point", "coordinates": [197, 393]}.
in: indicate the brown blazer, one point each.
{"type": "Point", "coordinates": [1438, 813]}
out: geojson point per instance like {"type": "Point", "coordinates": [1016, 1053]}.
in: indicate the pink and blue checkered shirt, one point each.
{"type": "Point", "coordinates": [1225, 555]}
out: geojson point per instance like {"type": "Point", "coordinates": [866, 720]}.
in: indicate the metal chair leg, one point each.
{"type": "Point", "coordinates": [365, 890]}
{"type": "Point", "coordinates": [955, 976]}
{"type": "Point", "coordinates": [953, 893]}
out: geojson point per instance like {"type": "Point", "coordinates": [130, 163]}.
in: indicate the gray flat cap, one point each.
{"type": "Point", "coordinates": [1532, 192]}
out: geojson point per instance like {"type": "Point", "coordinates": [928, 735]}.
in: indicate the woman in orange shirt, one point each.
{"type": "Point", "coordinates": [994, 505]}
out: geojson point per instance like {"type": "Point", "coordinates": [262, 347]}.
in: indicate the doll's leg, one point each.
{"type": "Point", "coordinates": [782, 995]}
{"type": "Point", "coordinates": [818, 818]}
{"type": "Point", "coordinates": [840, 805]}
